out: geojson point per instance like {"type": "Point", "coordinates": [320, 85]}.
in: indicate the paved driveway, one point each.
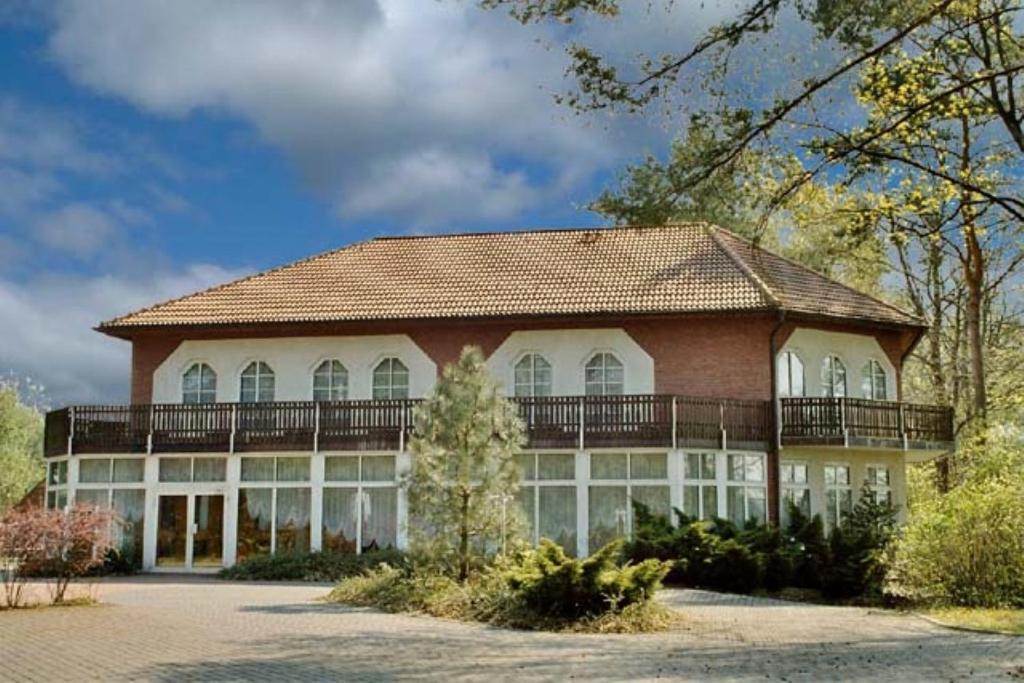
{"type": "Point", "coordinates": [173, 628]}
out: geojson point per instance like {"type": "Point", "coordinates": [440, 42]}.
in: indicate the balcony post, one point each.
{"type": "Point", "coordinates": [316, 427]}
{"type": "Point", "coordinates": [401, 428]}
{"type": "Point", "coordinates": [149, 436]}
{"type": "Point", "coordinates": [71, 429]}
{"type": "Point", "coordinates": [675, 415]}
{"type": "Point", "coordinates": [721, 425]}
{"type": "Point", "coordinates": [234, 426]}
{"type": "Point", "coordinates": [842, 421]}
{"type": "Point", "coordinates": [582, 422]}
{"type": "Point", "coordinates": [903, 425]}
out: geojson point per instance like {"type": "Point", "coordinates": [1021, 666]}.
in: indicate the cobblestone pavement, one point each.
{"type": "Point", "coordinates": [172, 628]}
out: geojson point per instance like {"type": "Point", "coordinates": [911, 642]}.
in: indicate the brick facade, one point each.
{"type": "Point", "coordinates": [715, 357]}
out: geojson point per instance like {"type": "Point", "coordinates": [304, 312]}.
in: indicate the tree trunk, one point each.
{"type": "Point", "coordinates": [935, 364]}
{"type": "Point", "coordinates": [974, 284]}
{"type": "Point", "coordinates": [464, 539]}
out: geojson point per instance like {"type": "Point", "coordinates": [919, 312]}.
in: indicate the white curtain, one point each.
{"type": "Point", "coordinates": [648, 466]}
{"type": "Point", "coordinates": [293, 469]}
{"type": "Point", "coordinates": [654, 497]}
{"type": "Point", "coordinates": [556, 466]}
{"type": "Point", "coordinates": [608, 466]}
{"type": "Point", "coordinates": [558, 515]}
{"type": "Point", "coordinates": [380, 518]}
{"type": "Point", "coordinates": [525, 498]}
{"type": "Point", "coordinates": [341, 515]}
{"type": "Point", "coordinates": [609, 515]}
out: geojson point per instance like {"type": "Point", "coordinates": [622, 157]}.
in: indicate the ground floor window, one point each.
{"type": "Point", "coordinates": [360, 519]}
{"type": "Point", "coordinates": [273, 520]}
{"type": "Point", "coordinates": [746, 493]}
{"type": "Point", "coordinates": [547, 497]}
{"type": "Point", "coordinates": [838, 494]}
{"type": "Point", "coordinates": [617, 481]}
{"type": "Point", "coordinates": [879, 483]}
{"type": "Point", "coordinates": [795, 488]}
{"type": "Point", "coordinates": [700, 485]}
{"type": "Point", "coordinates": [198, 470]}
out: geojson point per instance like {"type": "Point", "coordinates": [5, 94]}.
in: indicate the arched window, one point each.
{"type": "Point", "coordinates": [604, 375]}
{"type": "Point", "coordinates": [257, 383]}
{"type": "Point", "coordinates": [833, 377]}
{"type": "Point", "coordinates": [533, 376]}
{"type": "Point", "coordinates": [330, 381]}
{"type": "Point", "coordinates": [790, 371]}
{"type": "Point", "coordinates": [873, 381]}
{"type": "Point", "coordinates": [390, 379]}
{"type": "Point", "coordinates": [199, 384]}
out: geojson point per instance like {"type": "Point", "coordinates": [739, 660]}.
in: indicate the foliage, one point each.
{"type": "Point", "coordinates": [528, 588]}
{"type": "Point", "coordinates": [464, 474]}
{"type": "Point", "coordinates": [61, 545]}
{"type": "Point", "coordinates": [555, 585]}
{"type": "Point", "coordinates": [966, 547]}
{"type": "Point", "coordinates": [719, 555]}
{"type": "Point", "coordinates": [315, 566]}
{"type": "Point", "coordinates": [21, 445]}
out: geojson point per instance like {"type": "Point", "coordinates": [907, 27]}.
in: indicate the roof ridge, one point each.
{"type": "Point", "coordinates": [744, 267]}
{"type": "Point", "coordinates": [530, 231]}
{"type": "Point", "coordinates": [113, 322]}
{"type": "Point", "coordinates": [834, 281]}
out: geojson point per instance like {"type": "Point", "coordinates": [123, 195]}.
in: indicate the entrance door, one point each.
{"type": "Point", "coordinates": [190, 531]}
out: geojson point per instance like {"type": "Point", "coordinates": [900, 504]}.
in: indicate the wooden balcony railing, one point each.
{"type": "Point", "coordinates": [858, 421]}
{"type": "Point", "coordinates": [572, 422]}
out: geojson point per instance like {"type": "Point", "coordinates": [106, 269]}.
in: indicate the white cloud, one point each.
{"type": "Point", "coordinates": [48, 323]}
{"type": "Point", "coordinates": [77, 228]}
{"type": "Point", "coordinates": [352, 90]}
{"type": "Point", "coordinates": [31, 137]}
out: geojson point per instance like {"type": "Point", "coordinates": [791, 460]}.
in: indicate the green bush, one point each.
{"type": "Point", "coordinates": [965, 547]}
{"type": "Point", "coordinates": [719, 555]}
{"type": "Point", "coordinates": [316, 566]}
{"type": "Point", "coordinates": [553, 584]}
{"type": "Point", "coordinates": [530, 588]}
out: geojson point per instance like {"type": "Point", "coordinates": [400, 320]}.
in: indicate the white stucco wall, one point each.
{"type": "Point", "coordinates": [293, 361]}
{"type": "Point", "coordinates": [855, 350]}
{"type": "Point", "coordinates": [568, 352]}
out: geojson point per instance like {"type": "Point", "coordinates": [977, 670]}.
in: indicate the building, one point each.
{"type": "Point", "coordinates": [679, 365]}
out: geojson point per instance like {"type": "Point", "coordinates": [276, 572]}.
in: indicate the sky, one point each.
{"type": "Point", "coordinates": [149, 149]}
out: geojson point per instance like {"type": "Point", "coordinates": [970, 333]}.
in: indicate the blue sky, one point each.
{"type": "Point", "coordinates": [148, 149]}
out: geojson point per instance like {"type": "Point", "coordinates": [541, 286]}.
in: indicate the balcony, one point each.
{"type": "Point", "coordinates": [571, 422]}
{"type": "Point", "coordinates": [559, 422]}
{"type": "Point", "coordinates": [865, 423]}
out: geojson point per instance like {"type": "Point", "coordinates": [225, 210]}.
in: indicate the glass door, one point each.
{"type": "Point", "coordinates": [190, 531]}
{"type": "Point", "coordinates": [208, 531]}
{"type": "Point", "coordinates": [172, 532]}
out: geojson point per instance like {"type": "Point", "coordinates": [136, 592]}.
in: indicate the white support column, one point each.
{"type": "Point", "coordinates": [675, 482]}
{"type": "Point", "coordinates": [316, 501]}
{"type": "Point", "coordinates": [722, 483]}
{"type": "Point", "coordinates": [582, 503]}
{"type": "Point", "coordinates": [72, 484]}
{"type": "Point", "coordinates": [151, 476]}
{"type": "Point", "coordinates": [403, 463]}
{"type": "Point", "coordinates": [231, 497]}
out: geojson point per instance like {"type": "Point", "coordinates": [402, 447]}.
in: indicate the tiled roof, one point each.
{"type": "Point", "coordinates": [679, 268]}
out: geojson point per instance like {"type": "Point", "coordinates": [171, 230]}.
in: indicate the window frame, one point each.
{"type": "Point", "coordinates": [786, 391]}
{"type": "Point", "coordinates": [263, 369]}
{"type": "Point", "coordinates": [745, 485]}
{"type": "Point", "coordinates": [331, 381]}
{"type": "Point", "coordinates": [391, 360]}
{"type": "Point", "coordinates": [788, 488]}
{"type": "Point", "coordinates": [836, 509]}
{"type": "Point", "coordinates": [604, 368]}
{"type": "Point", "coordinates": [876, 488]}
{"type": "Point", "coordinates": [361, 486]}
{"type": "Point", "coordinates": [829, 365]}
{"type": "Point", "coordinates": [199, 391]}
{"type": "Point", "coordinates": [533, 357]}
{"type": "Point", "coordinates": [869, 380]}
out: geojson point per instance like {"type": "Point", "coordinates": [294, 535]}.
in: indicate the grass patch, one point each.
{"type": "Point", "coordinates": [997, 620]}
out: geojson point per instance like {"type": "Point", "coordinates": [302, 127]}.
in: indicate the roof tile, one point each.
{"type": "Point", "coordinates": [679, 268]}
